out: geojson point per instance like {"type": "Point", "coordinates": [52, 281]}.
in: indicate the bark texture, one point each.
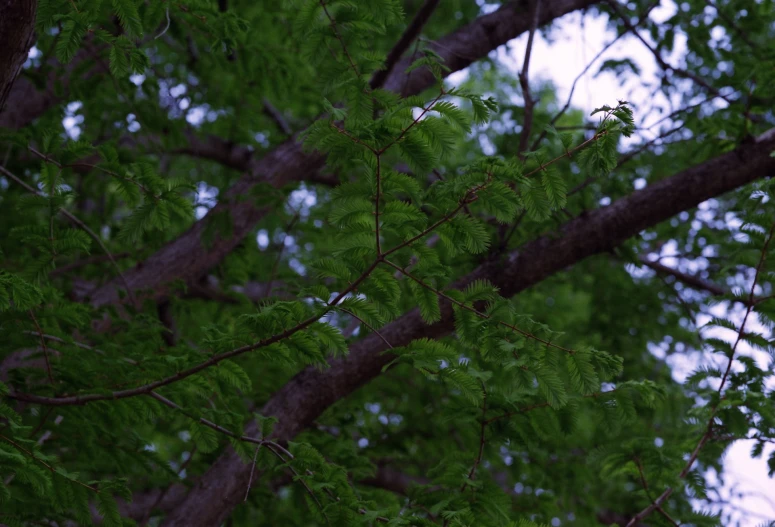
{"type": "Point", "coordinates": [16, 27]}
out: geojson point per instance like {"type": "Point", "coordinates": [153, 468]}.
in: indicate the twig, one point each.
{"type": "Point", "coordinates": [740, 32]}
{"type": "Point", "coordinates": [373, 330]}
{"type": "Point", "coordinates": [414, 122]}
{"type": "Point", "coordinates": [469, 197]}
{"type": "Point", "coordinates": [664, 65]}
{"type": "Point", "coordinates": [584, 72]}
{"type": "Point", "coordinates": [376, 207]}
{"type": "Point", "coordinates": [276, 265]}
{"type": "Point", "coordinates": [162, 494]}
{"type": "Point", "coordinates": [86, 261]}
{"type": "Point", "coordinates": [478, 460]}
{"type": "Point", "coordinates": [483, 428]}
{"type": "Point", "coordinates": [709, 428]}
{"type": "Point", "coordinates": [44, 346]}
{"type": "Point", "coordinates": [527, 123]}
{"type": "Point", "coordinates": [475, 311]}
{"type": "Point", "coordinates": [147, 389]}
{"type": "Point", "coordinates": [541, 405]}
{"type": "Point", "coordinates": [252, 468]}
{"type": "Point", "coordinates": [339, 38]}
{"type": "Point", "coordinates": [80, 224]}
{"type": "Point", "coordinates": [648, 493]}
{"type": "Point", "coordinates": [273, 447]}
{"type": "Point", "coordinates": [277, 117]}
{"type": "Point", "coordinates": [167, 26]}
{"type": "Point", "coordinates": [49, 467]}
{"type": "Point", "coordinates": [645, 146]}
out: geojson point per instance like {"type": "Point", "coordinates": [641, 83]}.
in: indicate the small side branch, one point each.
{"type": "Point", "coordinates": [524, 82]}
{"type": "Point", "coordinates": [656, 504]}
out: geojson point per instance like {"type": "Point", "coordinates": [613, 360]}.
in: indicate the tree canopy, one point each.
{"type": "Point", "coordinates": [265, 263]}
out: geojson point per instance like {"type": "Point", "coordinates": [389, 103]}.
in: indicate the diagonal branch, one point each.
{"type": "Point", "coordinates": [188, 259]}
{"type": "Point", "coordinates": [691, 280]}
{"type": "Point", "coordinates": [412, 32]}
{"type": "Point", "coordinates": [658, 57]}
{"type": "Point", "coordinates": [301, 400]}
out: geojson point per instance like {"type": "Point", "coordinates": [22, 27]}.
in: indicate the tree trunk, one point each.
{"type": "Point", "coordinates": [16, 25]}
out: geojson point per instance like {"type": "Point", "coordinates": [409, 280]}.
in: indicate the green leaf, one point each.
{"type": "Point", "coordinates": [126, 11]}
{"type": "Point", "coordinates": [555, 187]}
{"type": "Point", "coordinates": [205, 438]}
{"type": "Point", "coordinates": [428, 302]}
{"type": "Point", "coordinates": [583, 376]}
{"type": "Point", "coordinates": [69, 40]}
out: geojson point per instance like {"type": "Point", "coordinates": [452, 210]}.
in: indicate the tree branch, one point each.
{"type": "Point", "coordinates": [310, 392]}
{"type": "Point", "coordinates": [657, 504]}
{"type": "Point", "coordinates": [188, 259]}
{"type": "Point", "coordinates": [524, 82]}
{"type": "Point", "coordinates": [412, 32]}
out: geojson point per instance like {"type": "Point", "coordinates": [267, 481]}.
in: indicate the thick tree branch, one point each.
{"type": "Point", "coordinates": [311, 392]}
{"type": "Point", "coordinates": [187, 258]}
{"type": "Point", "coordinates": [412, 32]}
{"type": "Point", "coordinates": [474, 41]}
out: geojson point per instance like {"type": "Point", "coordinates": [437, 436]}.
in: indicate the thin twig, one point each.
{"type": "Point", "coordinates": [373, 330]}
{"type": "Point", "coordinates": [252, 469]}
{"type": "Point", "coordinates": [376, 207]}
{"type": "Point", "coordinates": [162, 494]}
{"type": "Point", "coordinates": [86, 261]}
{"type": "Point", "coordinates": [277, 117]}
{"type": "Point", "coordinates": [483, 428]}
{"type": "Point", "coordinates": [664, 65]}
{"type": "Point", "coordinates": [43, 345]}
{"type": "Point", "coordinates": [754, 47]}
{"type": "Point", "coordinates": [478, 460]}
{"type": "Point", "coordinates": [475, 311]}
{"type": "Point", "coordinates": [80, 224]}
{"type": "Point", "coordinates": [276, 265]}
{"type": "Point", "coordinates": [584, 72]}
{"type": "Point", "coordinates": [147, 389]}
{"type": "Point", "coordinates": [414, 122]}
{"type": "Point", "coordinates": [541, 405]}
{"type": "Point", "coordinates": [524, 82]}
{"type": "Point", "coordinates": [709, 428]}
{"type": "Point", "coordinates": [648, 493]}
{"type": "Point", "coordinates": [167, 26]}
{"type": "Point", "coordinates": [49, 467]}
{"type": "Point", "coordinates": [339, 38]}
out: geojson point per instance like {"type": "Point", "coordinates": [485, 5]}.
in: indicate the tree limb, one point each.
{"type": "Point", "coordinates": [311, 392]}
{"type": "Point", "coordinates": [187, 258]}
{"type": "Point", "coordinates": [412, 32]}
